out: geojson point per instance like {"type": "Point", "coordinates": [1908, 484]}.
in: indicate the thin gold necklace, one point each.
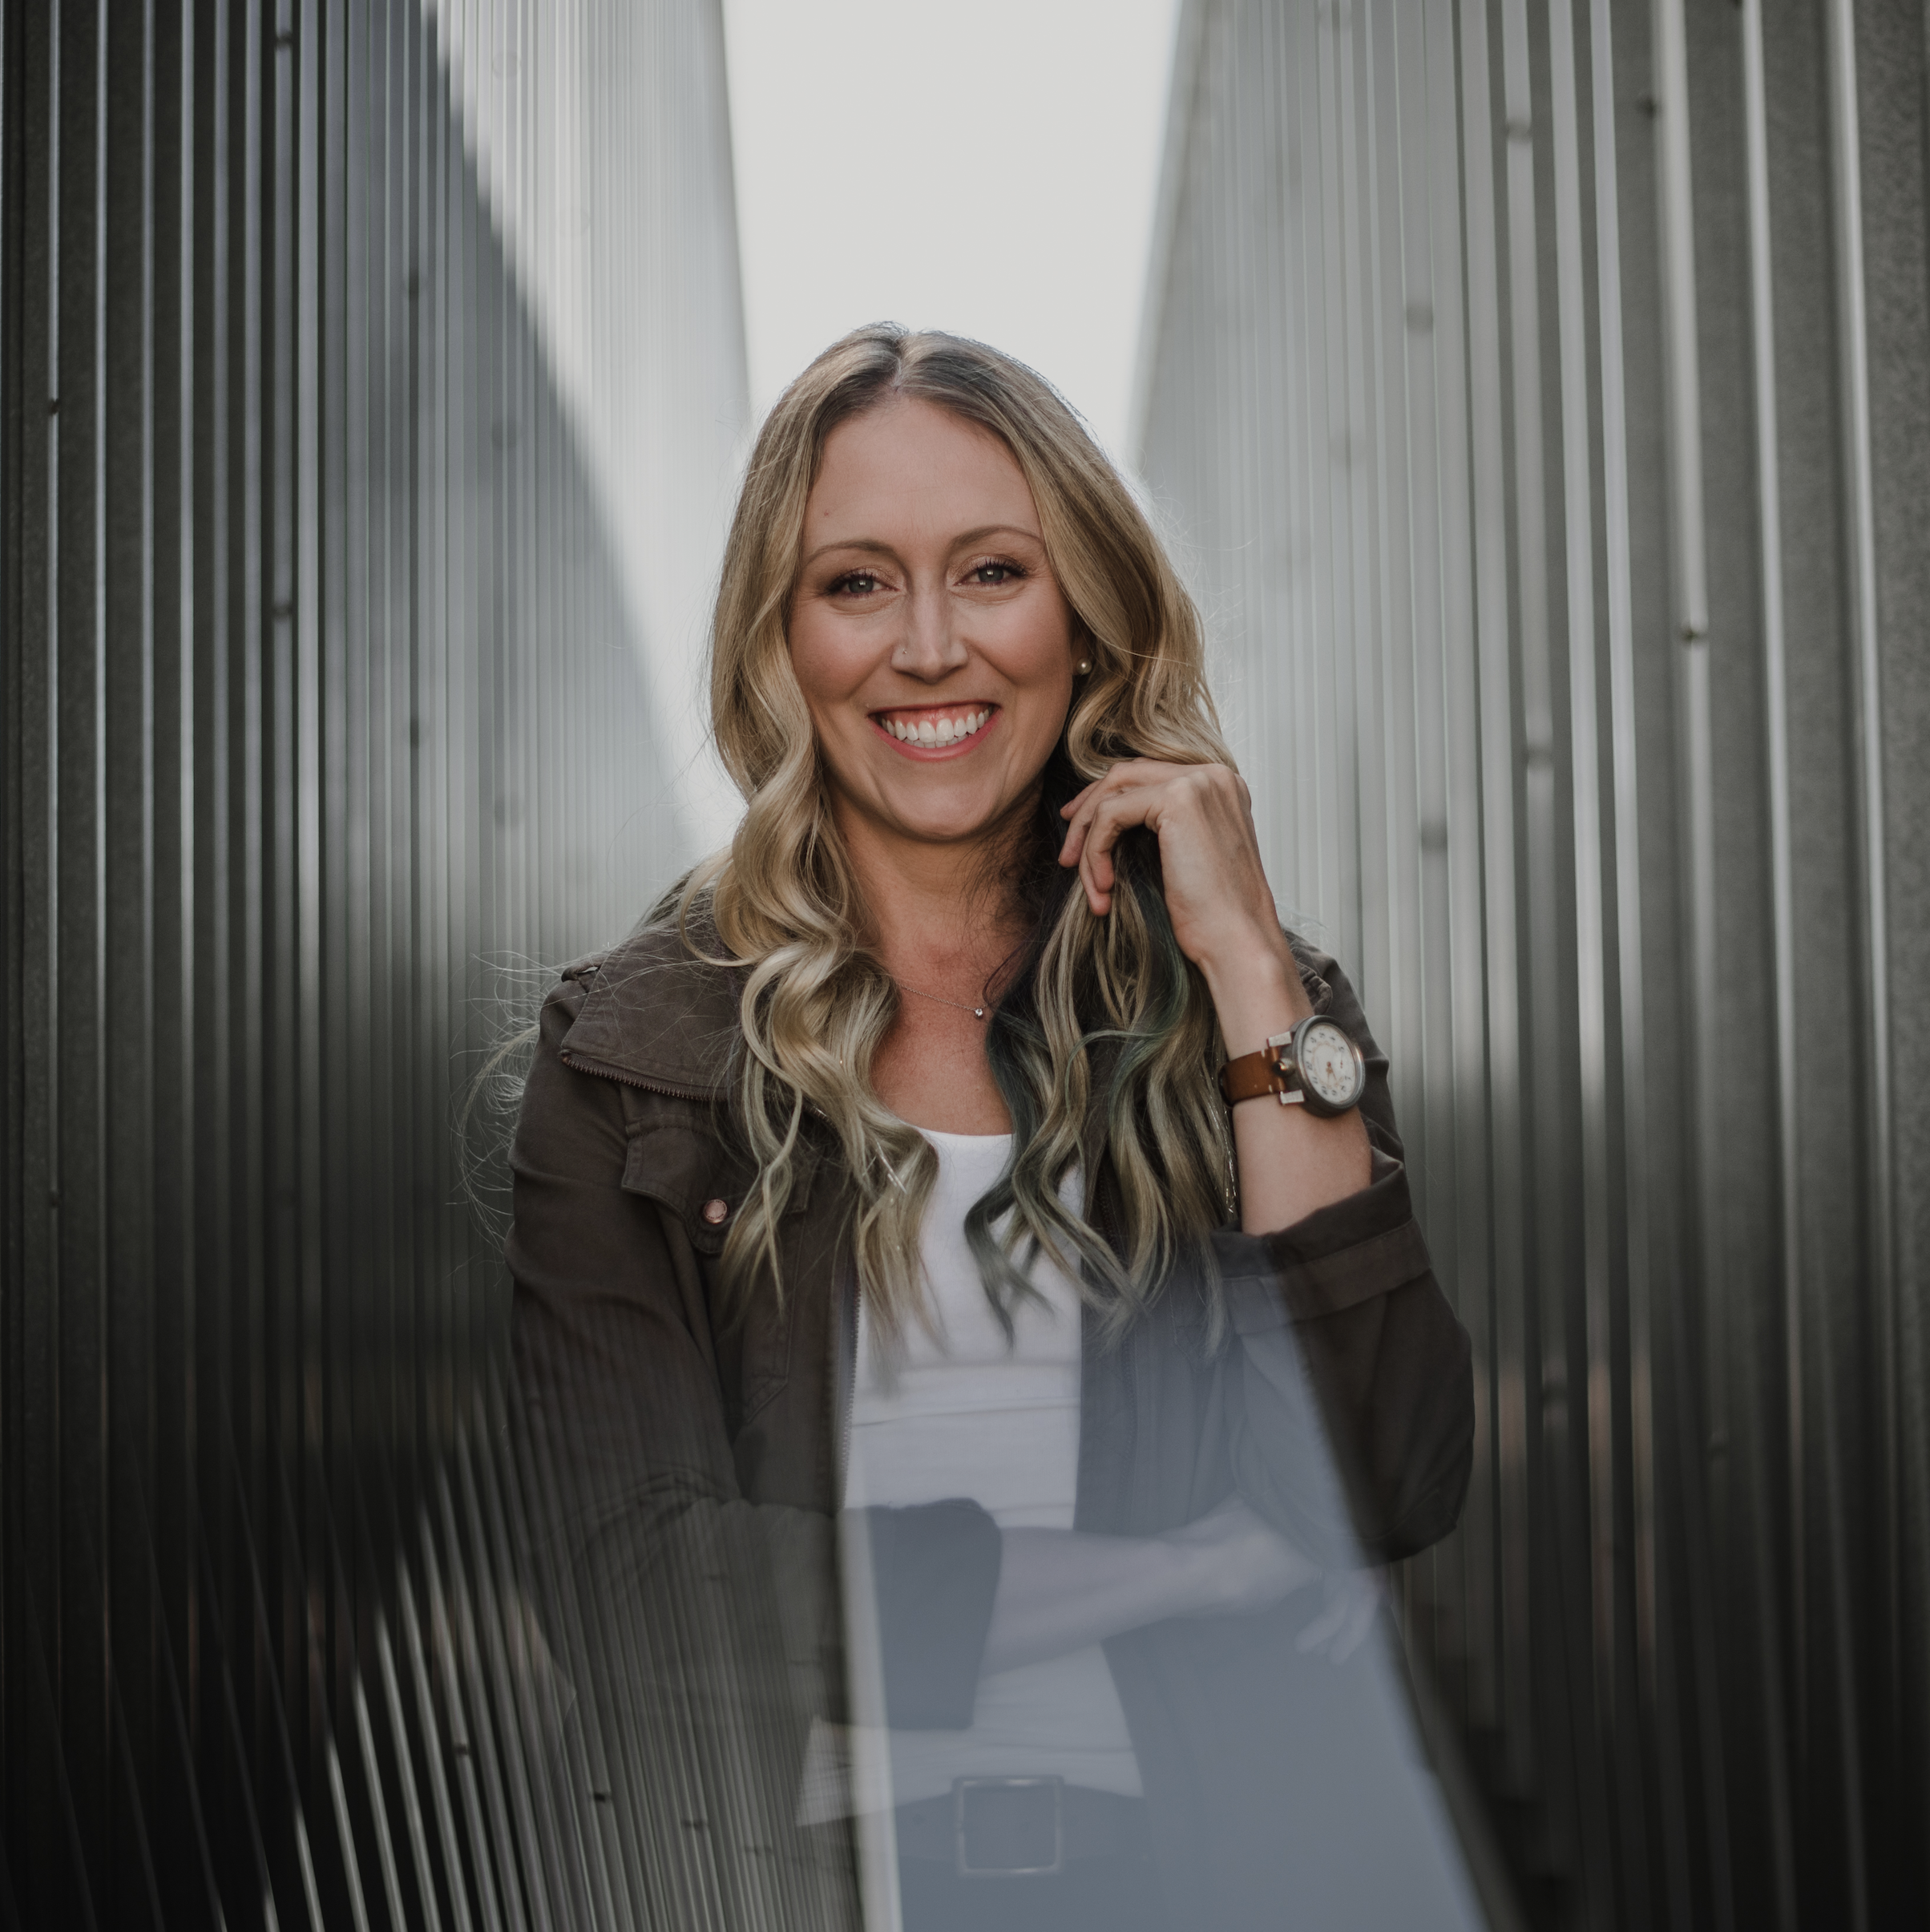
{"type": "Point", "coordinates": [977, 1012]}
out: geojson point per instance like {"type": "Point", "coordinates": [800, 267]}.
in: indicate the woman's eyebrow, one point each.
{"type": "Point", "coordinates": [966, 538]}
{"type": "Point", "coordinates": [871, 547]}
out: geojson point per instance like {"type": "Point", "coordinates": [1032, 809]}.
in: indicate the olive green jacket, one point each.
{"type": "Point", "coordinates": [689, 1466]}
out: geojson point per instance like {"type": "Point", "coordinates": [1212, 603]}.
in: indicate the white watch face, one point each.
{"type": "Point", "coordinates": [1327, 1064]}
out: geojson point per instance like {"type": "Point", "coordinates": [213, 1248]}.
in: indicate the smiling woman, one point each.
{"type": "Point", "coordinates": [989, 1286]}
{"type": "Point", "coordinates": [927, 628]}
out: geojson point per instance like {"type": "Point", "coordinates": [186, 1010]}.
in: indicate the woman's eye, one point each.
{"type": "Point", "coordinates": [856, 583]}
{"type": "Point", "coordinates": [992, 574]}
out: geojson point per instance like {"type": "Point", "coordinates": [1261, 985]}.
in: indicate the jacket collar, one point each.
{"type": "Point", "coordinates": [656, 1016]}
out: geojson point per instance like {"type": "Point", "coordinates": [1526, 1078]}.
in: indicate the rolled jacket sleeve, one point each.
{"type": "Point", "coordinates": [934, 1571]}
{"type": "Point", "coordinates": [1352, 1406]}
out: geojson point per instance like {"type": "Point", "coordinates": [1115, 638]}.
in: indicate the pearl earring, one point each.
{"type": "Point", "coordinates": [1083, 665]}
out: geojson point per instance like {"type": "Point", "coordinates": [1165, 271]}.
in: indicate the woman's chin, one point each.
{"type": "Point", "coordinates": [929, 816]}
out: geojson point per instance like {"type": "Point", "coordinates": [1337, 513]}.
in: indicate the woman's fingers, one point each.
{"type": "Point", "coordinates": [1131, 794]}
{"type": "Point", "coordinates": [1109, 818]}
{"type": "Point", "coordinates": [1366, 1607]}
{"type": "Point", "coordinates": [1216, 882]}
{"type": "Point", "coordinates": [1352, 1601]}
{"type": "Point", "coordinates": [1327, 1625]}
{"type": "Point", "coordinates": [1126, 774]}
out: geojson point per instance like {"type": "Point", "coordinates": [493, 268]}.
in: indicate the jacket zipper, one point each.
{"type": "Point", "coordinates": [577, 1064]}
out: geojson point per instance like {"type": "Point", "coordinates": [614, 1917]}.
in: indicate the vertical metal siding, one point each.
{"type": "Point", "coordinates": [1542, 387]}
{"type": "Point", "coordinates": [329, 706]}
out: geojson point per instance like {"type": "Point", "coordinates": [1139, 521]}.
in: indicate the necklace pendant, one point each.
{"type": "Point", "coordinates": [978, 1012]}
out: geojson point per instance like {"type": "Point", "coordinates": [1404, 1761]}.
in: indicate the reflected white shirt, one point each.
{"type": "Point", "coordinates": [966, 1413]}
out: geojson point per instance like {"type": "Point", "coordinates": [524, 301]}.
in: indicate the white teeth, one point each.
{"type": "Point", "coordinates": [936, 731]}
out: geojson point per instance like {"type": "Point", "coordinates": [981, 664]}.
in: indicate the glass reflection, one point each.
{"type": "Point", "coordinates": [971, 1390]}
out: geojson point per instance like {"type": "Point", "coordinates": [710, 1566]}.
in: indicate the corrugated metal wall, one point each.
{"type": "Point", "coordinates": [1544, 386]}
{"type": "Point", "coordinates": [329, 699]}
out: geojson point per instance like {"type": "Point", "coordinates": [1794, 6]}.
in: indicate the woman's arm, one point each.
{"type": "Point", "coordinates": [1060, 1590]}
{"type": "Point", "coordinates": [1340, 1295]}
{"type": "Point", "coordinates": [1347, 1347]}
{"type": "Point", "coordinates": [1290, 1161]}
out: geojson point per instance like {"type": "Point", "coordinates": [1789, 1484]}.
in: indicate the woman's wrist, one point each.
{"type": "Point", "coordinates": [1255, 993]}
{"type": "Point", "coordinates": [1289, 1162]}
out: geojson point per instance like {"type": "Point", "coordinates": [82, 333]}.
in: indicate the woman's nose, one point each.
{"type": "Point", "coordinates": [929, 647]}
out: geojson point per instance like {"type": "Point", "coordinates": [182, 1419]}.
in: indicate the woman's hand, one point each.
{"type": "Point", "coordinates": [1240, 1563]}
{"type": "Point", "coordinates": [1353, 1601]}
{"type": "Point", "coordinates": [1216, 894]}
{"type": "Point", "coordinates": [1291, 1162]}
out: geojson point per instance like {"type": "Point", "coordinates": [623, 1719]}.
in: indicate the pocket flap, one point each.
{"type": "Point", "coordinates": [700, 1181]}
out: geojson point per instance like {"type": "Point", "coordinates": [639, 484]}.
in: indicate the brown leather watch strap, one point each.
{"type": "Point", "coordinates": [1252, 1076]}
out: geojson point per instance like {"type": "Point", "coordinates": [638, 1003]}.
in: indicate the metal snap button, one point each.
{"type": "Point", "coordinates": [716, 1212]}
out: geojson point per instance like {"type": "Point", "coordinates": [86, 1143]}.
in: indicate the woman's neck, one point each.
{"type": "Point", "coordinates": [943, 922]}
{"type": "Point", "coordinates": [945, 912]}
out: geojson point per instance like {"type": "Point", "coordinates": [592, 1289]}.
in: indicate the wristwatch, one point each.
{"type": "Point", "coordinates": [1315, 1065]}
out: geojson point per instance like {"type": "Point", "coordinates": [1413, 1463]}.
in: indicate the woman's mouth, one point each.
{"type": "Point", "coordinates": [935, 727]}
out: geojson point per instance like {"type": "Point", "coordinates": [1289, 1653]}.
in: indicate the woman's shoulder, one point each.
{"type": "Point", "coordinates": [660, 1010]}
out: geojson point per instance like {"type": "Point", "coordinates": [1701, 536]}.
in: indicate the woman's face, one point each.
{"type": "Point", "coordinates": [927, 629]}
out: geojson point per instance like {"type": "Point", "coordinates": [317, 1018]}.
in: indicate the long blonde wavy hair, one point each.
{"type": "Point", "coordinates": [1101, 1010]}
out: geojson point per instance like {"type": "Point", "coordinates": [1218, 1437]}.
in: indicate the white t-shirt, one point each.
{"type": "Point", "coordinates": [966, 1413]}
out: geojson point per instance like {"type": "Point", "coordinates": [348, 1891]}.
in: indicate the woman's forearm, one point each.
{"type": "Point", "coordinates": [1061, 1590]}
{"type": "Point", "coordinates": [1290, 1161]}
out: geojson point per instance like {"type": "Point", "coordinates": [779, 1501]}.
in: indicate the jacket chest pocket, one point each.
{"type": "Point", "coordinates": [689, 1173]}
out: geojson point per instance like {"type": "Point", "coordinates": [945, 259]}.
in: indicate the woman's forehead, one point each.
{"type": "Point", "coordinates": [907, 461]}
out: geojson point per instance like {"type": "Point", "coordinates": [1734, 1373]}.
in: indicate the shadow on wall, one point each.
{"type": "Point", "coordinates": [321, 696]}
